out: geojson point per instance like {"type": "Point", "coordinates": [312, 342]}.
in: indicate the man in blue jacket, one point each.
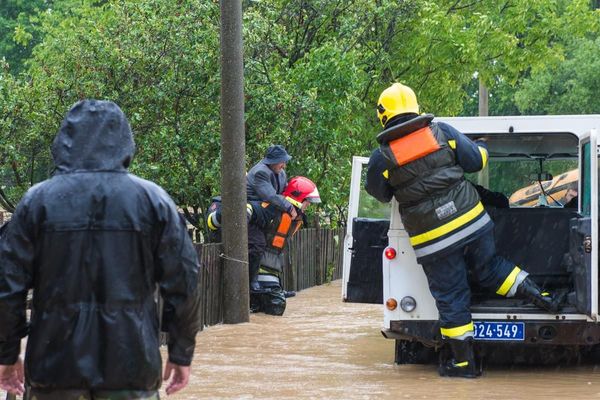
{"type": "Point", "coordinates": [421, 163]}
{"type": "Point", "coordinates": [266, 182]}
{"type": "Point", "coordinates": [94, 242]}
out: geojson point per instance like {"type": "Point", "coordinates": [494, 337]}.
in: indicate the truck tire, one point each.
{"type": "Point", "coordinates": [409, 352]}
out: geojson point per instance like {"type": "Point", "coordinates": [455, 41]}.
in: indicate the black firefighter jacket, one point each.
{"type": "Point", "coordinates": [440, 210]}
{"type": "Point", "coordinates": [93, 242]}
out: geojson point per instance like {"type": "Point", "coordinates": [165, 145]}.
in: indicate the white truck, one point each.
{"type": "Point", "coordinates": [557, 245]}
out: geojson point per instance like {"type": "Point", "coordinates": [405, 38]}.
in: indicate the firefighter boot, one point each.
{"type": "Point", "coordinates": [531, 291]}
{"type": "Point", "coordinates": [462, 363]}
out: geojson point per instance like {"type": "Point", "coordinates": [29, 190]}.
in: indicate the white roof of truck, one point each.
{"type": "Point", "coordinates": [576, 124]}
{"type": "Point", "coordinates": [514, 137]}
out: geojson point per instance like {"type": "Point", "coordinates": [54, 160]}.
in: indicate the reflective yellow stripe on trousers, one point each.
{"type": "Point", "coordinates": [460, 332]}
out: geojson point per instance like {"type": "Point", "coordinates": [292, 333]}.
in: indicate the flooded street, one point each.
{"type": "Point", "coordinates": [323, 348]}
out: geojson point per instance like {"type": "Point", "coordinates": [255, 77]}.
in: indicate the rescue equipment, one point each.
{"type": "Point", "coordinates": [556, 188]}
{"type": "Point", "coordinates": [280, 230]}
{"type": "Point", "coordinates": [413, 146]}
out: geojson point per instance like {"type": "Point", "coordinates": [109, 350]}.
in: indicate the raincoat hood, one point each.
{"type": "Point", "coordinates": [94, 136]}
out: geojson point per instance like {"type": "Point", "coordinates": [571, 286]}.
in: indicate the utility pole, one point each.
{"type": "Point", "coordinates": [233, 178]}
{"type": "Point", "coordinates": [483, 99]}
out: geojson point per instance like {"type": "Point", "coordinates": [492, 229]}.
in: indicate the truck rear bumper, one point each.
{"type": "Point", "coordinates": [536, 332]}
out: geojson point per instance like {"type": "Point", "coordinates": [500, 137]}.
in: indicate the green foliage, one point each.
{"type": "Point", "coordinates": [369, 207]}
{"type": "Point", "coordinates": [313, 72]}
{"type": "Point", "coordinates": [20, 29]}
{"type": "Point", "coordinates": [570, 87]}
{"type": "Point", "coordinates": [563, 84]}
{"type": "Point", "coordinates": [17, 30]}
{"type": "Point", "coordinates": [329, 273]}
{"type": "Point", "coordinates": [160, 66]}
{"type": "Point", "coordinates": [23, 147]}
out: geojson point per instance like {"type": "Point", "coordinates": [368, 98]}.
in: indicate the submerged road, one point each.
{"type": "Point", "coordinates": [322, 348]}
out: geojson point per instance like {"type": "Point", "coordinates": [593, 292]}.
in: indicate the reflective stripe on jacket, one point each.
{"type": "Point", "coordinates": [438, 207]}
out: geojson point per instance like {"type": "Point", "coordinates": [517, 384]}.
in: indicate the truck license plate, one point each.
{"type": "Point", "coordinates": [499, 331]}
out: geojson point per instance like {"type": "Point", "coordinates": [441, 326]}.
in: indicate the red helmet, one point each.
{"type": "Point", "coordinates": [299, 189]}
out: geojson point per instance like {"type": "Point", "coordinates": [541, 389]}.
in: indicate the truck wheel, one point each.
{"type": "Point", "coordinates": [409, 352]}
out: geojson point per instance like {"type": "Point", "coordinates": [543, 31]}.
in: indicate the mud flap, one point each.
{"type": "Point", "coordinates": [410, 352]}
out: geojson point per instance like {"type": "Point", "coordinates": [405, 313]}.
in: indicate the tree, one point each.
{"type": "Point", "coordinates": [560, 85]}
{"type": "Point", "coordinates": [314, 69]}
{"type": "Point", "coordinates": [16, 30]}
{"type": "Point", "coordinates": [570, 87]}
{"type": "Point", "coordinates": [160, 66]}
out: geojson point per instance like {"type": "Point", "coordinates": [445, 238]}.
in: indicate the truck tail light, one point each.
{"type": "Point", "coordinates": [390, 253]}
{"type": "Point", "coordinates": [391, 304]}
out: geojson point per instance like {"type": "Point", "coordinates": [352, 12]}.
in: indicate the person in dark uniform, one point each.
{"type": "Point", "coordinates": [421, 163]}
{"type": "Point", "coordinates": [212, 235]}
{"type": "Point", "coordinates": [571, 199]}
{"type": "Point", "coordinates": [3, 228]}
{"type": "Point", "coordinates": [266, 181]}
{"type": "Point", "coordinates": [94, 242]}
{"type": "Point", "coordinates": [277, 226]}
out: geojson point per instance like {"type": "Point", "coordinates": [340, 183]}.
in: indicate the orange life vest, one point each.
{"type": "Point", "coordinates": [282, 227]}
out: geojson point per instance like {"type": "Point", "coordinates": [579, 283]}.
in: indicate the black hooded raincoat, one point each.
{"type": "Point", "coordinates": [93, 242]}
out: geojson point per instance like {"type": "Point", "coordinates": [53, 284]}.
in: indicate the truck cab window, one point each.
{"type": "Point", "coordinates": [368, 206]}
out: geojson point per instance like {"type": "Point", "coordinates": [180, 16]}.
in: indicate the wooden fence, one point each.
{"type": "Point", "coordinates": [313, 257]}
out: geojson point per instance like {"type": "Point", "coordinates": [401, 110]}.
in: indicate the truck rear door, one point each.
{"type": "Point", "coordinates": [584, 232]}
{"type": "Point", "coordinates": [366, 238]}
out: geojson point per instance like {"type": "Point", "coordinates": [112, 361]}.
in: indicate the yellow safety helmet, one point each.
{"type": "Point", "coordinates": [395, 100]}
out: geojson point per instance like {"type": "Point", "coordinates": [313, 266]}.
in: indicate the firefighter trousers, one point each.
{"type": "Point", "coordinates": [256, 247]}
{"type": "Point", "coordinates": [448, 278]}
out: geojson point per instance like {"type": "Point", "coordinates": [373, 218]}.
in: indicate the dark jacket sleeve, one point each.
{"type": "Point", "coordinates": [377, 184]}
{"type": "Point", "coordinates": [489, 198]}
{"type": "Point", "coordinates": [266, 192]}
{"type": "Point", "coordinates": [262, 216]}
{"type": "Point", "coordinates": [16, 260]}
{"type": "Point", "coordinates": [177, 269]}
{"type": "Point", "coordinates": [471, 156]}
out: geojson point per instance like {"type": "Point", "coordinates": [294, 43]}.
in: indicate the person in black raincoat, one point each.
{"type": "Point", "coordinates": [94, 242]}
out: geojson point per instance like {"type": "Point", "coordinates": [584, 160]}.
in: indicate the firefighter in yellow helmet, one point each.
{"type": "Point", "coordinates": [421, 163]}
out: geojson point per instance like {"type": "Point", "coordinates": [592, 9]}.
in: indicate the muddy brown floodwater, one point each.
{"type": "Point", "coordinates": [322, 348]}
